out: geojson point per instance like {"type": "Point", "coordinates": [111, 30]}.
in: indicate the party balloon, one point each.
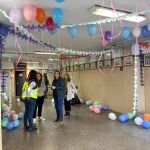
{"type": "Point", "coordinates": [146, 124]}
{"type": "Point", "coordinates": [96, 103]}
{"type": "Point", "coordinates": [108, 36]}
{"type": "Point", "coordinates": [91, 108]}
{"type": "Point", "coordinates": [135, 49]}
{"type": "Point", "coordinates": [87, 103]}
{"type": "Point", "coordinates": [130, 37]}
{"type": "Point", "coordinates": [130, 116]}
{"type": "Point", "coordinates": [16, 16]}
{"type": "Point", "coordinates": [3, 30]}
{"type": "Point", "coordinates": [5, 114]}
{"type": "Point", "coordinates": [54, 31]}
{"type": "Point", "coordinates": [20, 115]}
{"type": "Point", "coordinates": [105, 107]}
{"type": "Point", "coordinates": [15, 117]}
{"type": "Point", "coordinates": [136, 31]}
{"type": "Point", "coordinates": [140, 115]}
{"type": "Point", "coordinates": [123, 118]}
{"type": "Point", "coordinates": [92, 29]}
{"type": "Point", "coordinates": [5, 123]}
{"type": "Point", "coordinates": [146, 117]}
{"type": "Point", "coordinates": [126, 32]}
{"type": "Point", "coordinates": [12, 112]}
{"type": "Point", "coordinates": [50, 25]}
{"type": "Point", "coordinates": [10, 126]}
{"type": "Point", "coordinates": [29, 12]}
{"type": "Point", "coordinates": [144, 31]}
{"type": "Point", "coordinates": [138, 121]}
{"type": "Point", "coordinates": [72, 31]}
{"type": "Point", "coordinates": [59, 1]}
{"type": "Point", "coordinates": [7, 109]}
{"type": "Point", "coordinates": [40, 15]}
{"type": "Point", "coordinates": [112, 116]}
{"type": "Point", "coordinates": [97, 110]}
{"type": "Point", "coordinates": [91, 102]}
{"type": "Point", "coordinates": [98, 106]}
{"type": "Point", "coordinates": [16, 123]}
{"type": "Point", "coordinates": [57, 15]}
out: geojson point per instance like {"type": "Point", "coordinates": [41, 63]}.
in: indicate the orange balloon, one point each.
{"type": "Point", "coordinates": [40, 15]}
{"type": "Point", "coordinates": [146, 117]}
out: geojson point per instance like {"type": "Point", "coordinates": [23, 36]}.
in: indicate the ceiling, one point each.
{"type": "Point", "coordinates": [75, 11]}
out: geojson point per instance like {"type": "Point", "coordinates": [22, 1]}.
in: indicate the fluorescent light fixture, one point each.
{"type": "Point", "coordinates": [51, 59]}
{"type": "Point", "coordinates": [32, 62]}
{"type": "Point", "coordinates": [44, 53]}
{"type": "Point", "coordinates": [108, 12]}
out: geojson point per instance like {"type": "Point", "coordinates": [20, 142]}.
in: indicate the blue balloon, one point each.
{"type": "Point", "coordinates": [5, 119]}
{"type": "Point", "coordinates": [146, 124]}
{"type": "Point", "coordinates": [3, 30]}
{"type": "Point", "coordinates": [87, 103]}
{"type": "Point", "coordinates": [16, 123]}
{"type": "Point", "coordinates": [126, 31]}
{"type": "Point", "coordinates": [144, 31]}
{"type": "Point", "coordinates": [140, 115]}
{"type": "Point", "coordinates": [72, 31]}
{"type": "Point", "coordinates": [105, 107]}
{"type": "Point", "coordinates": [123, 118]}
{"type": "Point", "coordinates": [92, 29]}
{"type": "Point", "coordinates": [57, 15]}
{"type": "Point", "coordinates": [59, 1]}
{"type": "Point", "coordinates": [20, 115]}
{"type": "Point", "coordinates": [10, 126]}
{"type": "Point", "coordinates": [130, 37]}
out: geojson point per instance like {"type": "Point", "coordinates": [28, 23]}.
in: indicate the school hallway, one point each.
{"type": "Point", "coordinates": [82, 131]}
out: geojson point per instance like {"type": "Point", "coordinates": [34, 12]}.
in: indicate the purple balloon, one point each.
{"type": "Point", "coordinates": [108, 36]}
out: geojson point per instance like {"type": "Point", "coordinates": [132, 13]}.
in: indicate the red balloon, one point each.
{"type": "Point", "coordinates": [50, 24]}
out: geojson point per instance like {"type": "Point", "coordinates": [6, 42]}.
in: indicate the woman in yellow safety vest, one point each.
{"type": "Point", "coordinates": [29, 96]}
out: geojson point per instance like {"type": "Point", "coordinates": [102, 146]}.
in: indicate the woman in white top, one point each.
{"type": "Point", "coordinates": [40, 99]}
{"type": "Point", "coordinates": [70, 90]}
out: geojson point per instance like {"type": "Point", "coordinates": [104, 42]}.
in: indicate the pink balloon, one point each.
{"type": "Point", "coordinates": [29, 12]}
{"type": "Point", "coordinates": [97, 110]}
{"type": "Point", "coordinates": [91, 108]}
{"type": "Point", "coordinates": [12, 112]}
{"type": "Point", "coordinates": [16, 16]}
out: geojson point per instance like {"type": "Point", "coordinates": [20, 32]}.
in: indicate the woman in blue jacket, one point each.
{"type": "Point", "coordinates": [58, 94]}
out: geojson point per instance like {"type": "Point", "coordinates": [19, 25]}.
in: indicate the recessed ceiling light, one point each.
{"type": "Point", "coordinates": [108, 12]}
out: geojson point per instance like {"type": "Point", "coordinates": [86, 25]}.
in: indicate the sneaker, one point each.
{"type": "Point", "coordinates": [66, 114]}
{"type": "Point", "coordinates": [56, 120]}
{"type": "Point", "coordinates": [60, 122]}
{"type": "Point", "coordinates": [26, 128]}
{"type": "Point", "coordinates": [34, 121]}
{"type": "Point", "coordinates": [41, 118]}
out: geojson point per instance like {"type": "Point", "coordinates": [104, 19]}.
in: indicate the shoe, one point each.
{"type": "Point", "coordinates": [32, 129]}
{"type": "Point", "coordinates": [41, 118]}
{"type": "Point", "coordinates": [66, 114]}
{"type": "Point", "coordinates": [26, 128]}
{"type": "Point", "coordinates": [60, 122]}
{"type": "Point", "coordinates": [34, 121]}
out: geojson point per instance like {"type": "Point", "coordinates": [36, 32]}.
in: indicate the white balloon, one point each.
{"type": "Point", "coordinates": [16, 16]}
{"type": "Point", "coordinates": [136, 32]}
{"type": "Point", "coordinates": [135, 49]}
{"type": "Point", "coordinates": [112, 116]}
{"type": "Point", "coordinates": [138, 121]}
{"type": "Point", "coordinates": [148, 27]}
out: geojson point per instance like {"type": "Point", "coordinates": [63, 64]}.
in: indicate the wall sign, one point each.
{"type": "Point", "coordinates": [128, 61]}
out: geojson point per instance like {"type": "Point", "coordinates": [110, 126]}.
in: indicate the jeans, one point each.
{"type": "Point", "coordinates": [67, 105]}
{"type": "Point", "coordinates": [59, 108]}
{"type": "Point", "coordinates": [28, 115]}
{"type": "Point", "coordinates": [39, 105]}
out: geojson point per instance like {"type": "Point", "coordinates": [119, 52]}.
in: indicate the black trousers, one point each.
{"type": "Point", "coordinates": [67, 105]}
{"type": "Point", "coordinates": [39, 105]}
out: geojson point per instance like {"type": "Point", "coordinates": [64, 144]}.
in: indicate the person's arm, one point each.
{"type": "Point", "coordinates": [73, 86]}
{"type": "Point", "coordinates": [31, 86]}
{"type": "Point", "coordinates": [61, 85]}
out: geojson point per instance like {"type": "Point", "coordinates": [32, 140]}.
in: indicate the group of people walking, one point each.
{"type": "Point", "coordinates": [35, 90]}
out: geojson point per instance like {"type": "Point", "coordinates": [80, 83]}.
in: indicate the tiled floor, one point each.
{"type": "Point", "coordinates": [82, 131]}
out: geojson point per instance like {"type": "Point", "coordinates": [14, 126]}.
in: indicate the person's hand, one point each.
{"type": "Point", "coordinates": [53, 87]}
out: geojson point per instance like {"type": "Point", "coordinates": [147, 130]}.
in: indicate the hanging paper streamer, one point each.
{"type": "Point", "coordinates": [141, 68]}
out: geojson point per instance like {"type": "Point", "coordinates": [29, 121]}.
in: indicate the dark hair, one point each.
{"type": "Point", "coordinates": [45, 75]}
{"type": "Point", "coordinates": [55, 73]}
{"type": "Point", "coordinates": [39, 82]}
{"type": "Point", "coordinates": [68, 77]}
{"type": "Point", "coordinates": [32, 76]}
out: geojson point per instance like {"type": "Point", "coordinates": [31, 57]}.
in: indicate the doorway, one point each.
{"type": "Point", "coordinates": [20, 79]}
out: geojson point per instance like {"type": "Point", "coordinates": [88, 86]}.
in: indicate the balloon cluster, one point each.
{"type": "Point", "coordinates": [96, 107]}
{"type": "Point", "coordinates": [10, 119]}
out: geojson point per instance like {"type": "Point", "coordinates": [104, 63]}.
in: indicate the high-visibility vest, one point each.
{"type": "Point", "coordinates": [33, 93]}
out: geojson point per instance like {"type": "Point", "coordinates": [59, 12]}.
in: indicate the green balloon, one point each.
{"type": "Point", "coordinates": [130, 116]}
{"type": "Point", "coordinates": [96, 103]}
{"type": "Point", "coordinates": [5, 123]}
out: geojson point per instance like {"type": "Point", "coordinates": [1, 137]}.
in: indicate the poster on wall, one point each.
{"type": "Point", "coordinates": [117, 53]}
{"type": "Point", "coordinates": [83, 60]}
{"type": "Point", "coordinates": [76, 68]}
{"type": "Point", "coordinates": [93, 59]}
{"type": "Point", "coordinates": [81, 67]}
{"type": "Point", "coordinates": [128, 61]}
{"type": "Point", "coordinates": [118, 62]}
{"type": "Point", "coordinates": [75, 62]}
{"type": "Point", "coordinates": [93, 66]}
{"type": "Point", "coordinates": [107, 63]}
{"type": "Point", "coordinates": [87, 66]}
{"type": "Point", "coordinates": [108, 55]}
{"type": "Point", "coordinates": [100, 64]}
{"type": "Point", "coordinates": [147, 60]}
